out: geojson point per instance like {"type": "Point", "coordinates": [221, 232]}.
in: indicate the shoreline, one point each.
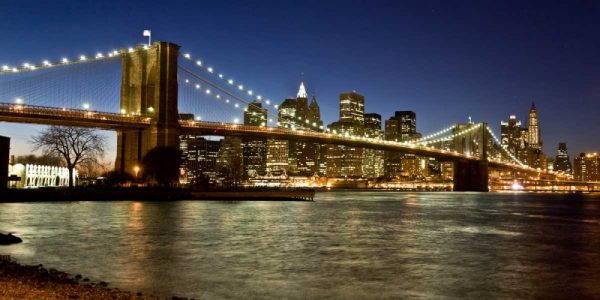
{"type": "Point", "coordinates": [21, 281]}
{"type": "Point", "coordinates": [154, 194]}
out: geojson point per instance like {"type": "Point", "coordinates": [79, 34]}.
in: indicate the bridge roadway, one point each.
{"type": "Point", "coordinates": [19, 113]}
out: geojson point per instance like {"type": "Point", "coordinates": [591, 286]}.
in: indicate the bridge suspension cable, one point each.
{"type": "Point", "coordinates": [503, 147]}
{"type": "Point", "coordinates": [27, 66]}
{"type": "Point", "coordinates": [451, 137]}
{"type": "Point", "coordinates": [247, 91]}
{"type": "Point", "coordinates": [215, 86]}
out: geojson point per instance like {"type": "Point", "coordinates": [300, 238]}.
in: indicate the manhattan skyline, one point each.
{"type": "Point", "coordinates": [445, 62]}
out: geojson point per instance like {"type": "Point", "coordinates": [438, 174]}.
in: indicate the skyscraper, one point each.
{"type": "Point", "coordinates": [535, 139]}
{"type": "Point", "coordinates": [254, 150]}
{"type": "Point", "coordinates": [402, 126]}
{"type": "Point", "coordinates": [278, 151]}
{"type": "Point", "coordinates": [535, 154]}
{"type": "Point", "coordinates": [372, 166]}
{"type": "Point", "coordinates": [230, 161]}
{"type": "Point", "coordinates": [352, 108]}
{"type": "Point", "coordinates": [199, 158]}
{"type": "Point", "coordinates": [587, 167]}
{"type": "Point", "coordinates": [562, 161]}
{"type": "Point", "coordinates": [346, 161]}
{"type": "Point", "coordinates": [308, 153]}
{"type": "Point", "coordinates": [510, 132]}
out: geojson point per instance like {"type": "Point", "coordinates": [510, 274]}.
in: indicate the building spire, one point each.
{"type": "Point", "coordinates": [302, 91]}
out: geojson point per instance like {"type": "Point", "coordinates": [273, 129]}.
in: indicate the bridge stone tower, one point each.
{"type": "Point", "coordinates": [471, 175]}
{"type": "Point", "coordinates": [148, 88]}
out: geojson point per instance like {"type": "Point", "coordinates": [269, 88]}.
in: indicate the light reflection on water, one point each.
{"type": "Point", "coordinates": [343, 245]}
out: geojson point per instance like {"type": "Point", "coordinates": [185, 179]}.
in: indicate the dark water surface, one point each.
{"type": "Point", "coordinates": [350, 245]}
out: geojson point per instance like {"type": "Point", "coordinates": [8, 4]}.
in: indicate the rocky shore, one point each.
{"type": "Point", "coordinates": [36, 282]}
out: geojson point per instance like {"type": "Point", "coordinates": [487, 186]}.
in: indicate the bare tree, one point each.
{"type": "Point", "coordinates": [75, 145]}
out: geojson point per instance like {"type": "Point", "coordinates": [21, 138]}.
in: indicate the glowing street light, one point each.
{"type": "Point", "coordinates": [136, 169]}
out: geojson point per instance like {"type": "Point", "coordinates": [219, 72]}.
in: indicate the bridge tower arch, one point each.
{"type": "Point", "coordinates": [148, 88]}
{"type": "Point", "coordinates": [472, 175]}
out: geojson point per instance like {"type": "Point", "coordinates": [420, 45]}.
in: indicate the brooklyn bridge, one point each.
{"type": "Point", "coordinates": [159, 83]}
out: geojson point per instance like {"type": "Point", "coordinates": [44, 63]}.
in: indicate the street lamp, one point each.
{"type": "Point", "coordinates": [136, 169]}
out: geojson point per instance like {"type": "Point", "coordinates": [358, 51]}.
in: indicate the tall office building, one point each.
{"type": "Point", "coordinates": [372, 166]}
{"type": "Point", "coordinates": [199, 158]}
{"type": "Point", "coordinates": [254, 150]}
{"type": "Point", "coordinates": [308, 153]}
{"type": "Point", "coordinates": [402, 126]}
{"type": "Point", "coordinates": [278, 151]}
{"type": "Point", "coordinates": [510, 132]}
{"type": "Point", "coordinates": [562, 162]}
{"type": "Point", "coordinates": [523, 148]}
{"type": "Point", "coordinates": [230, 161]}
{"type": "Point", "coordinates": [535, 154]}
{"type": "Point", "coordinates": [199, 155]}
{"type": "Point", "coordinates": [534, 137]}
{"type": "Point", "coordinates": [587, 167]}
{"type": "Point", "coordinates": [346, 161]}
{"type": "Point", "coordinates": [352, 108]}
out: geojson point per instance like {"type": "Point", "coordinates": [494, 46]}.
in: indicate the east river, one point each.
{"type": "Point", "coordinates": [345, 245]}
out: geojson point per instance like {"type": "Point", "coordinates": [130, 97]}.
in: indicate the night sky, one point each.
{"type": "Point", "coordinates": [445, 60]}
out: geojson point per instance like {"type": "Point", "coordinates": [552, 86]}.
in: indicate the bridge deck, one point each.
{"type": "Point", "coordinates": [73, 117]}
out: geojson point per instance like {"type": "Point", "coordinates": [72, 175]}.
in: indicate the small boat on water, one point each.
{"type": "Point", "coordinates": [8, 239]}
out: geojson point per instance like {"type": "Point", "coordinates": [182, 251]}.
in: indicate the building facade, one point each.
{"type": "Point", "coordinates": [254, 150]}
{"type": "Point", "coordinates": [400, 127]}
{"type": "Point", "coordinates": [562, 162]}
{"type": "Point", "coordinates": [372, 165]}
{"type": "Point", "coordinates": [510, 132]}
{"type": "Point", "coordinates": [346, 161]}
{"type": "Point", "coordinates": [40, 176]}
{"type": "Point", "coordinates": [199, 158]}
{"type": "Point", "coordinates": [586, 167]}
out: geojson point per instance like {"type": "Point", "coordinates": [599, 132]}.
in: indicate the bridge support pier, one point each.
{"type": "Point", "coordinates": [471, 176]}
{"type": "Point", "coordinates": [148, 88]}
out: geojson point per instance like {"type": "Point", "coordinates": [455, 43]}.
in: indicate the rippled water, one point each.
{"type": "Point", "coordinates": [344, 245]}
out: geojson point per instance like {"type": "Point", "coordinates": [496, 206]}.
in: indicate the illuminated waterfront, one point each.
{"type": "Point", "coordinates": [343, 245]}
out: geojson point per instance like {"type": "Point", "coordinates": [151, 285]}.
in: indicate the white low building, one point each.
{"type": "Point", "coordinates": [32, 176]}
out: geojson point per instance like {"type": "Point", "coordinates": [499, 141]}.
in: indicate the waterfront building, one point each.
{"type": "Point", "coordinates": [30, 176]}
{"type": "Point", "coordinates": [535, 154]}
{"type": "Point", "coordinates": [199, 158]}
{"type": "Point", "coordinates": [308, 154]}
{"type": "Point", "coordinates": [279, 156]}
{"type": "Point", "coordinates": [302, 158]}
{"type": "Point", "coordinates": [372, 165]}
{"type": "Point", "coordinates": [523, 148]}
{"type": "Point", "coordinates": [352, 109]}
{"type": "Point", "coordinates": [346, 161]}
{"type": "Point", "coordinates": [534, 136]}
{"type": "Point", "coordinates": [400, 127]}
{"type": "Point", "coordinates": [586, 167]}
{"type": "Point", "coordinates": [562, 162]}
{"type": "Point", "coordinates": [510, 132]}
{"type": "Point", "coordinates": [254, 150]}
{"type": "Point", "coordinates": [229, 161]}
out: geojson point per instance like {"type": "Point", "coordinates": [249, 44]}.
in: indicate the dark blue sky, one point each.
{"type": "Point", "coordinates": [446, 60]}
